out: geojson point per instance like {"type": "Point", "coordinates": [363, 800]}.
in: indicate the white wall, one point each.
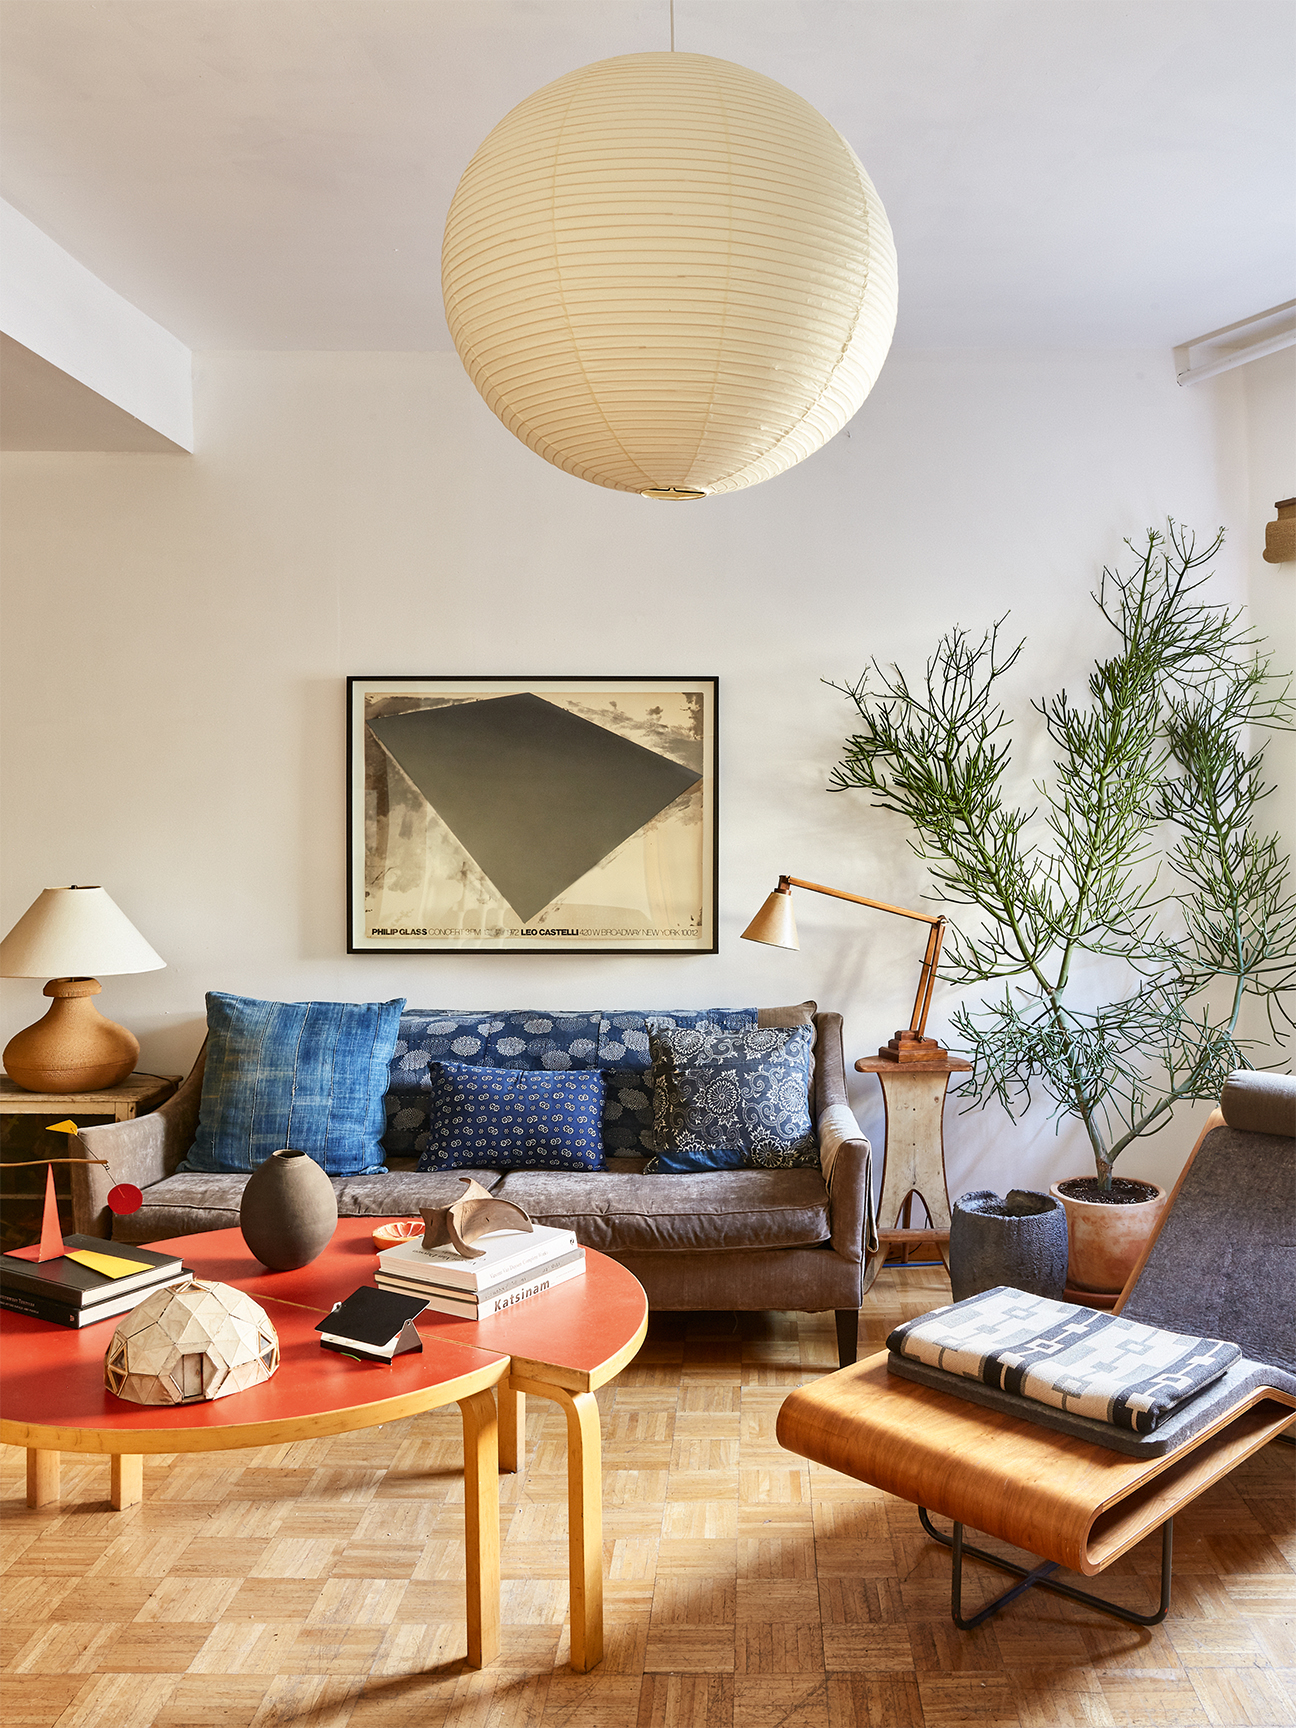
{"type": "Point", "coordinates": [179, 632]}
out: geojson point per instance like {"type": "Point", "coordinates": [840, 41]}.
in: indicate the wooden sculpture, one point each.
{"type": "Point", "coordinates": [473, 1214]}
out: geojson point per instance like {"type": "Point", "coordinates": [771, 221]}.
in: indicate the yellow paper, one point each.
{"type": "Point", "coordinates": [64, 1128]}
{"type": "Point", "coordinates": [111, 1265]}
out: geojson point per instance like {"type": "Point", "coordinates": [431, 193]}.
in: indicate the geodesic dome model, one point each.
{"type": "Point", "coordinates": [196, 1342]}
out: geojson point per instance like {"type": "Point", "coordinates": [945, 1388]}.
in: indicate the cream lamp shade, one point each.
{"type": "Point", "coordinates": [66, 931]}
{"type": "Point", "coordinates": [67, 935]}
{"type": "Point", "coordinates": [670, 275]}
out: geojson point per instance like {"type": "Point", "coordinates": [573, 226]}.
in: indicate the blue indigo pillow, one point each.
{"type": "Point", "coordinates": [512, 1119]}
{"type": "Point", "coordinates": [310, 1075]}
{"type": "Point", "coordinates": [529, 1039]}
{"type": "Point", "coordinates": [729, 1100]}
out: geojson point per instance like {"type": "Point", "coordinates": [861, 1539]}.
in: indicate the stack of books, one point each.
{"type": "Point", "coordinates": [516, 1264]}
{"type": "Point", "coordinates": [91, 1280]}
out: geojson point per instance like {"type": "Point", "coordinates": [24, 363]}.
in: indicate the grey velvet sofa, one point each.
{"type": "Point", "coordinates": [741, 1240]}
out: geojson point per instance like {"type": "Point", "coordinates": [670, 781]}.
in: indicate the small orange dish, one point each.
{"type": "Point", "coordinates": [388, 1235]}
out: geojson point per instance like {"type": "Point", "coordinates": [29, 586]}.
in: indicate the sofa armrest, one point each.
{"type": "Point", "coordinates": [845, 1154]}
{"type": "Point", "coordinates": [143, 1151]}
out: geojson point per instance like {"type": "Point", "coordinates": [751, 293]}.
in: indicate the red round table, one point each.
{"type": "Point", "coordinates": [562, 1345]}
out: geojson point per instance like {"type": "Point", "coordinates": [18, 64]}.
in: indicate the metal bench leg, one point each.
{"type": "Point", "coordinates": [1041, 1576]}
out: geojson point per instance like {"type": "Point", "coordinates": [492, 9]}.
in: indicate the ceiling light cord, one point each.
{"type": "Point", "coordinates": [672, 24]}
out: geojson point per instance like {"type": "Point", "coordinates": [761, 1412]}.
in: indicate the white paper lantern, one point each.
{"type": "Point", "coordinates": [668, 274]}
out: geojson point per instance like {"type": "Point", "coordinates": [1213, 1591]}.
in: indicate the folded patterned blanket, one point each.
{"type": "Point", "coordinates": [1076, 1359]}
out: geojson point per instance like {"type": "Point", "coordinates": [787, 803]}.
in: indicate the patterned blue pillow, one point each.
{"type": "Point", "coordinates": [530, 1040]}
{"type": "Point", "coordinates": [626, 1060]}
{"type": "Point", "coordinates": [512, 1119]}
{"type": "Point", "coordinates": [310, 1075]}
{"type": "Point", "coordinates": [534, 1040]}
{"type": "Point", "coordinates": [724, 1100]}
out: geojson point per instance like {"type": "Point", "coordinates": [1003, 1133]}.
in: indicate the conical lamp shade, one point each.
{"type": "Point", "coordinates": [74, 933]}
{"type": "Point", "coordinates": [774, 923]}
{"type": "Point", "coordinates": [670, 275]}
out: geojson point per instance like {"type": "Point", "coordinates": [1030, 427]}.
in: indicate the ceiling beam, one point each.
{"type": "Point", "coordinates": [55, 309]}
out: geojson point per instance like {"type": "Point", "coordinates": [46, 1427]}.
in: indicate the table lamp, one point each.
{"type": "Point", "coordinates": [63, 935]}
{"type": "Point", "coordinates": [776, 925]}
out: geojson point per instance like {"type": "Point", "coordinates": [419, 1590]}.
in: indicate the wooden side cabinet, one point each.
{"type": "Point", "coordinates": [24, 1121]}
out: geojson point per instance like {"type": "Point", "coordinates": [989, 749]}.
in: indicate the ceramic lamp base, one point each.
{"type": "Point", "coordinates": [73, 1049]}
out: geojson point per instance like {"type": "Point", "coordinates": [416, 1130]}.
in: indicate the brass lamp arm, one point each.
{"type": "Point", "coordinates": [786, 882]}
{"type": "Point", "coordinates": [936, 935]}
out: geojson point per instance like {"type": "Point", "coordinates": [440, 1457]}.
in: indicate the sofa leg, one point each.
{"type": "Point", "coordinates": [847, 1336]}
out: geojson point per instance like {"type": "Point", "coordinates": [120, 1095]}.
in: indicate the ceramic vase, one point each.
{"type": "Point", "coordinates": [1106, 1241]}
{"type": "Point", "coordinates": [1020, 1241]}
{"type": "Point", "coordinates": [289, 1211]}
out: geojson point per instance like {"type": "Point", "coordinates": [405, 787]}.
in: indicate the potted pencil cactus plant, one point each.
{"type": "Point", "coordinates": [1115, 923]}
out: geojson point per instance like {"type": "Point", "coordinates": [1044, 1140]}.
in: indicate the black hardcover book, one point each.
{"type": "Point", "coordinates": [65, 1280]}
{"type": "Point", "coordinates": [373, 1322]}
{"type": "Point", "coordinates": [75, 1316]}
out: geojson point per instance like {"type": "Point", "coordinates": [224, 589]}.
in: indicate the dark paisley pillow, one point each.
{"type": "Point", "coordinates": [626, 1061]}
{"type": "Point", "coordinates": [728, 1100]}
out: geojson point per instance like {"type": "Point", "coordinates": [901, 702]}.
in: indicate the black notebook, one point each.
{"type": "Point", "coordinates": [67, 1281]}
{"type": "Point", "coordinates": [373, 1322]}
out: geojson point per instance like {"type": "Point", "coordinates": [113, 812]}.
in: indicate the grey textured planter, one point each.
{"type": "Point", "coordinates": [288, 1212]}
{"type": "Point", "coordinates": [1021, 1241]}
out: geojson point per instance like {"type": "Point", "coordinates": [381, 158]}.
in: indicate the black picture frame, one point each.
{"type": "Point", "coordinates": [548, 814]}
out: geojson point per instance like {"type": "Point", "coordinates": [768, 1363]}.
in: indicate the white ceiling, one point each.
{"type": "Point", "coordinates": [276, 173]}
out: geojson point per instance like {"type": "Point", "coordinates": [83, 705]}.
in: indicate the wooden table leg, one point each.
{"type": "Point", "coordinates": [127, 1484]}
{"type": "Point", "coordinates": [512, 1427]}
{"type": "Point", "coordinates": [585, 1528]}
{"type": "Point", "coordinates": [584, 1519]}
{"type": "Point", "coordinates": [42, 1477]}
{"type": "Point", "coordinates": [481, 1526]}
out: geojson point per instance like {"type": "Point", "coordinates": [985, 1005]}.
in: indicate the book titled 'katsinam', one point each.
{"type": "Point", "coordinates": [505, 1254]}
{"type": "Point", "coordinates": [480, 1305]}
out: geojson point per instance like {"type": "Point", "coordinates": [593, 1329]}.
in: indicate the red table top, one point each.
{"type": "Point", "coordinates": [52, 1378]}
{"type": "Point", "coordinates": [578, 1335]}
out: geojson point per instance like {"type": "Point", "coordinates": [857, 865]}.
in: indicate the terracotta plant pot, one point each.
{"type": "Point", "coordinates": [288, 1212]}
{"type": "Point", "coordinates": [1105, 1241]}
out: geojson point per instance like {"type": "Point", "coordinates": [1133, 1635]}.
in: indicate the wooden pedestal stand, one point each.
{"type": "Point", "coordinates": [914, 1156]}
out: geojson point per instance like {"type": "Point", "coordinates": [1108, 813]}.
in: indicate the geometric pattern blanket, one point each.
{"type": "Point", "coordinates": [1077, 1359]}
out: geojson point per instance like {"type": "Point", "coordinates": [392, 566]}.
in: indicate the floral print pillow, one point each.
{"type": "Point", "coordinates": [730, 1100]}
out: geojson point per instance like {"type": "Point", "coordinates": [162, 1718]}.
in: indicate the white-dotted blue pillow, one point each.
{"type": "Point", "coordinates": [512, 1119]}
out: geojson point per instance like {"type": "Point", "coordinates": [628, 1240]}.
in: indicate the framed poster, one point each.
{"type": "Point", "coordinates": [517, 815]}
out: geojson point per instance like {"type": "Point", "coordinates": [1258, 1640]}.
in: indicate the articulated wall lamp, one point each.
{"type": "Point", "coordinates": [776, 925]}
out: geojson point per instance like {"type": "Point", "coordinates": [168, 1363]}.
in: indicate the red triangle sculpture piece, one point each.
{"type": "Point", "coordinates": [51, 1242]}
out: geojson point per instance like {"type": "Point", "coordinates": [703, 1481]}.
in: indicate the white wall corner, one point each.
{"type": "Point", "coordinates": [55, 307]}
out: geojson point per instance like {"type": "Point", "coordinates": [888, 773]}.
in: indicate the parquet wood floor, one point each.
{"type": "Point", "coordinates": [319, 1585]}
